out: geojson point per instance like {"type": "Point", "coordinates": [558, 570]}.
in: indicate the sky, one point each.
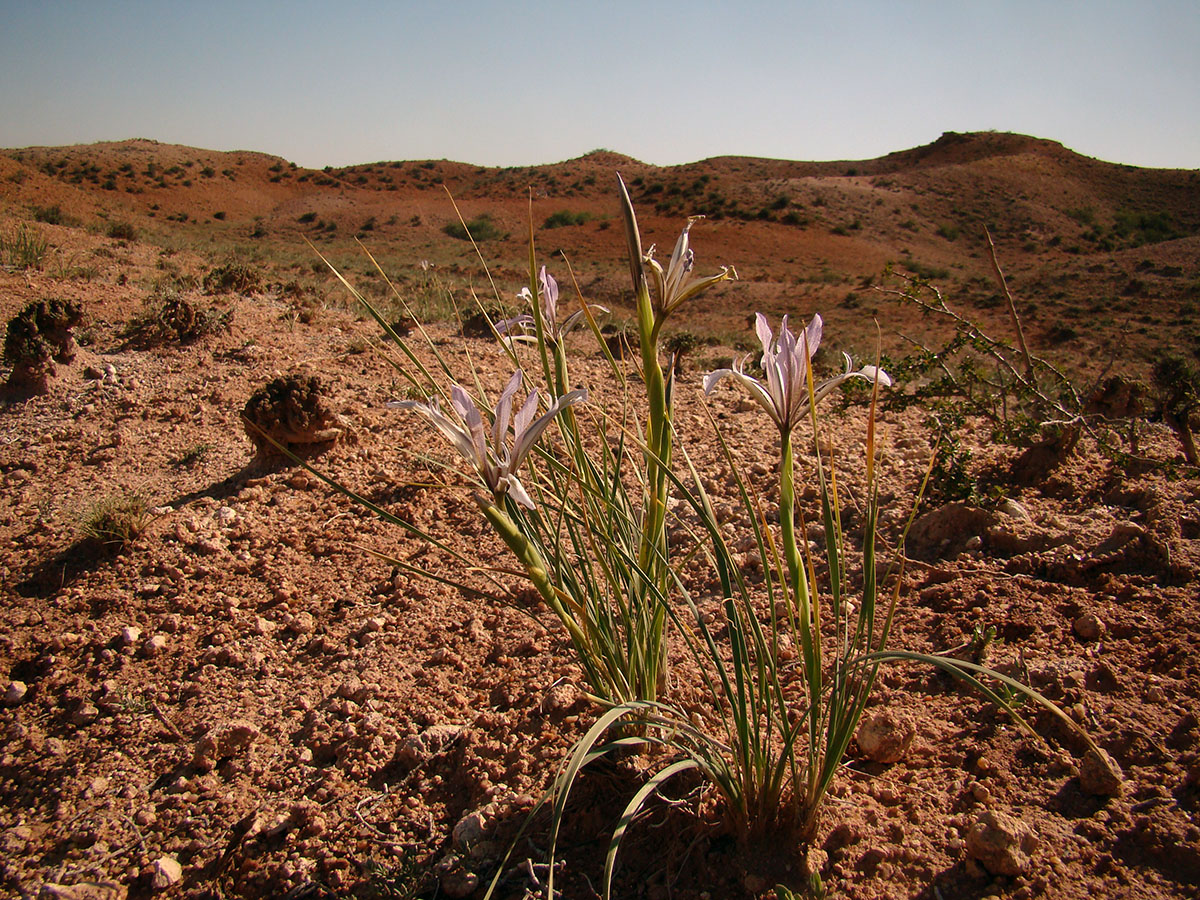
{"type": "Point", "coordinates": [525, 83]}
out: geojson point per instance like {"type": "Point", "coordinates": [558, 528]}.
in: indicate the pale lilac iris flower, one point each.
{"type": "Point", "coordinates": [548, 294]}
{"type": "Point", "coordinates": [783, 392]}
{"type": "Point", "coordinates": [493, 459]}
{"type": "Point", "coordinates": [676, 284]}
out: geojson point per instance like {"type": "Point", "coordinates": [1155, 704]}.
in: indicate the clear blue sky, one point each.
{"type": "Point", "coordinates": [512, 83]}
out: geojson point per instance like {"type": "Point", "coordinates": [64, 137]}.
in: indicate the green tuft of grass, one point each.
{"type": "Point", "coordinates": [24, 248]}
{"type": "Point", "coordinates": [116, 520]}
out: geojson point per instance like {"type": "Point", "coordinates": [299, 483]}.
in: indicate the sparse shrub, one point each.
{"type": "Point", "coordinates": [1176, 385]}
{"type": "Point", "coordinates": [51, 215]}
{"type": "Point", "coordinates": [481, 228]}
{"type": "Point", "coordinates": [116, 521]}
{"type": "Point", "coordinates": [168, 316]}
{"type": "Point", "coordinates": [1060, 333]}
{"type": "Point", "coordinates": [680, 345]}
{"type": "Point", "coordinates": [1145, 228]}
{"type": "Point", "coordinates": [232, 278]}
{"type": "Point", "coordinates": [480, 321]}
{"type": "Point", "coordinates": [36, 338]}
{"type": "Point", "coordinates": [621, 340]}
{"type": "Point", "coordinates": [564, 218]}
{"type": "Point", "coordinates": [122, 231]}
{"type": "Point", "coordinates": [925, 271]}
{"type": "Point", "coordinates": [1085, 215]}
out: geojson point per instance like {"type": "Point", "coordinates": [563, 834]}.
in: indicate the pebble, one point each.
{"type": "Point", "coordinates": [224, 740]}
{"type": "Point", "coordinates": [1089, 627]}
{"type": "Point", "coordinates": [165, 872]}
{"type": "Point", "coordinates": [421, 747]}
{"type": "Point", "coordinates": [885, 736]}
{"type": "Point", "coordinates": [303, 623]}
{"type": "Point", "coordinates": [468, 831]}
{"type": "Point", "coordinates": [130, 634]}
{"type": "Point", "coordinates": [85, 714]}
{"type": "Point", "coordinates": [459, 883]}
{"type": "Point", "coordinates": [354, 689]}
{"type": "Point", "coordinates": [154, 646]}
{"type": "Point", "coordinates": [1013, 509]}
{"type": "Point", "coordinates": [561, 699]}
{"type": "Point", "coordinates": [1100, 775]}
{"type": "Point", "coordinates": [1001, 843]}
{"type": "Point", "coordinates": [15, 693]}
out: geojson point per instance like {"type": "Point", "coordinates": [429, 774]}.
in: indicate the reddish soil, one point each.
{"type": "Point", "coordinates": [247, 692]}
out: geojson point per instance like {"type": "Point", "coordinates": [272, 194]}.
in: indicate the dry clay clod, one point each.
{"type": "Point", "coordinates": [294, 413]}
{"type": "Point", "coordinates": [37, 337]}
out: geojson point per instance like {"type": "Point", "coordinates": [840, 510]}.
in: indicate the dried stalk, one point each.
{"type": "Point", "coordinates": [1012, 306]}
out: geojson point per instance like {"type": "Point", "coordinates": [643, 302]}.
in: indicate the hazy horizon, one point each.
{"type": "Point", "coordinates": [538, 82]}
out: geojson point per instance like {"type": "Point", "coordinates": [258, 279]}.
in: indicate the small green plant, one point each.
{"type": "Point", "coordinates": [117, 520]}
{"type": "Point", "coordinates": [403, 879]}
{"type": "Point", "coordinates": [192, 455]}
{"type": "Point", "coordinates": [24, 248]}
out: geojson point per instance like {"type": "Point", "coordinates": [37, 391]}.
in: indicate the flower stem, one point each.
{"type": "Point", "coordinates": [801, 597]}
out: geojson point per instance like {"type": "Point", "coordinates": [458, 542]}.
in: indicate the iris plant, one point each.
{"type": "Point", "coordinates": [676, 284]}
{"type": "Point", "coordinates": [495, 463]}
{"type": "Point", "coordinates": [526, 324]}
{"type": "Point", "coordinates": [595, 547]}
{"type": "Point", "coordinates": [785, 362]}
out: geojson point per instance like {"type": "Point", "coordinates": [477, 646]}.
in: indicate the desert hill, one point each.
{"type": "Point", "coordinates": [1101, 255]}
